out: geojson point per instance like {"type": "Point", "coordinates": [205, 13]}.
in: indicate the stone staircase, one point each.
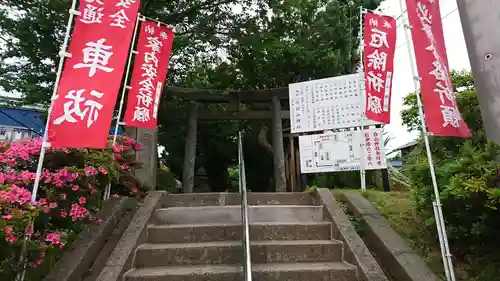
{"type": "Point", "coordinates": [198, 238]}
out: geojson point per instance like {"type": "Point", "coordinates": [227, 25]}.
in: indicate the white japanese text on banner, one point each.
{"type": "Point", "coordinates": [379, 49]}
{"type": "Point", "coordinates": [148, 77]}
{"type": "Point", "coordinates": [86, 97]}
{"type": "Point", "coordinates": [441, 111]}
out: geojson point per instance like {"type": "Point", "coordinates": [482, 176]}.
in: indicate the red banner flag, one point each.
{"type": "Point", "coordinates": [441, 111]}
{"type": "Point", "coordinates": [148, 77]}
{"type": "Point", "coordinates": [83, 108]}
{"type": "Point", "coordinates": [379, 48]}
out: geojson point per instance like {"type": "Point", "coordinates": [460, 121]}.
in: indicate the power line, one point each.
{"type": "Point", "coordinates": [448, 14]}
{"type": "Point", "coordinates": [19, 122]}
{"type": "Point", "coordinates": [401, 14]}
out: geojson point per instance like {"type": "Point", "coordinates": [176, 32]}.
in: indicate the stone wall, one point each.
{"type": "Point", "coordinates": [148, 156]}
{"type": "Point", "coordinates": [391, 251]}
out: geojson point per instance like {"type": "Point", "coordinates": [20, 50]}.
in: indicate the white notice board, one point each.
{"type": "Point", "coordinates": [330, 103]}
{"type": "Point", "coordinates": [336, 152]}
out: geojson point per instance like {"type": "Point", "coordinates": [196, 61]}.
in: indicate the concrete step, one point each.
{"type": "Point", "coordinates": [188, 233]}
{"type": "Point", "coordinates": [211, 253]}
{"type": "Point", "coordinates": [224, 199]}
{"type": "Point", "coordinates": [260, 272]}
{"type": "Point", "coordinates": [232, 214]}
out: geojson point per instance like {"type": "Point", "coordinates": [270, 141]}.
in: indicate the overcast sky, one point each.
{"type": "Point", "coordinates": [402, 81]}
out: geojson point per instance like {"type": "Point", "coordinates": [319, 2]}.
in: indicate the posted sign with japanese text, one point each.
{"type": "Point", "coordinates": [341, 151]}
{"type": "Point", "coordinates": [379, 49]}
{"type": "Point", "coordinates": [83, 108]}
{"type": "Point", "coordinates": [441, 112]}
{"type": "Point", "coordinates": [374, 149]}
{"type": "Point", "coordinates": [148, 77]}
{"type": "Point", "coordinates": [328, 103]}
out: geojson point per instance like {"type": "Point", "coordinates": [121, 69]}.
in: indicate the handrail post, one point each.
{"type": "Point", "coordinates": [247, 266]}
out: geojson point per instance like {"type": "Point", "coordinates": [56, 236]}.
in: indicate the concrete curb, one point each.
{"type": "Point", "coordinates": [122, 257]}
{"type": "Point", "coordinates": [392, 252]}
{"type": "Point", "coordinates": [81, 255]}
{"type": "Point", "coordinates": [355, 250]}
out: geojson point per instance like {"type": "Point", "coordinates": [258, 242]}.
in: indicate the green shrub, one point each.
{"type": "Point", "coordinates": [347, 180]}
{"type": "Point", "coordinates": [165, 179]}
{"type": "Point", "coordinates": [234, 179]}
{"type": "Point", "coordinates": [470, 197]}
{"type": "Point", "coordinates": [468, 180]}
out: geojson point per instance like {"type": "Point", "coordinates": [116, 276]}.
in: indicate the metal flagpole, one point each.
{"type": "Point", "coordinates": [107, 191]}
{"type": "Point", "coordinates": [127, 74]}
{"type": "Point", "coordinates": [155, 20]}
{"type": "Point", "coordinates": [437, 217]}
{"type": "Point", "coordinates": [362, 171]}
{"type": "Point", "coordinates": [438, 214]}
{"type": "Point", "coordinates": [62, 55]}
{"type": "Point", "coordinates": [362, 157]}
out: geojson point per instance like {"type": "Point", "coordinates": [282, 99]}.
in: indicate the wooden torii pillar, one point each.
{"type": "Point", "coordinates": [188, 172]}
{"type": "Point", "coordinates": [278, 149]}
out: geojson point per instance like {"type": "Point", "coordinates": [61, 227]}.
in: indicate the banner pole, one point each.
{"type": "Point", "coordinates": [62, 55]}
{"type": "Point", "coordinates": [443, 239]}
{"type": "Point", "coordinates": [362, 170]}
{"type": "Point", "coordinates": [437, 217]}
{"type": "Point", "coordinates": [127, 74]}
{"type": "Point", "coordinates": [107, 191]}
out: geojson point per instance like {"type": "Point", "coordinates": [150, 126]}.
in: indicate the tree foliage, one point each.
{"type": "Point", "coordinates": [462, 82]}
{"type": "Point", "coordinates": [280, 43]}
{"type": "Point", "coordinates": [33, 30]}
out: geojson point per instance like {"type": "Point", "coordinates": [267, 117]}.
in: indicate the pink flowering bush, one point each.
{"type": "Point", "coordinates": [69, 195]}
{"type": "Point", "coordinates": [124, 157]}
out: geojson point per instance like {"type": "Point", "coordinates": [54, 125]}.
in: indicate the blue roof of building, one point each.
{"type": "Point", "coordinates": [22, 117]}
{"type": "Point", "coordinates": [396, 163]}
{"type": "Point", "coordinates": [29, 118]}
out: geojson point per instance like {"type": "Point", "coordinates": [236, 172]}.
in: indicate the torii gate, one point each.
{"type": "Point", "coordinates": [277, 97]}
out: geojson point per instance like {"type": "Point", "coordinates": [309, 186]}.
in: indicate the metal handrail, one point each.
{"type": "Point", "coordinates": [247, 265]}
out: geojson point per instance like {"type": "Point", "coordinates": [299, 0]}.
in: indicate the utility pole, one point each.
{"type": "Point", "coordinates": [481, 23]}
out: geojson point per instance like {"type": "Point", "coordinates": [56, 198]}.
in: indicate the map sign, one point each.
{"type": "Point", "coordinates": [341, 151]}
